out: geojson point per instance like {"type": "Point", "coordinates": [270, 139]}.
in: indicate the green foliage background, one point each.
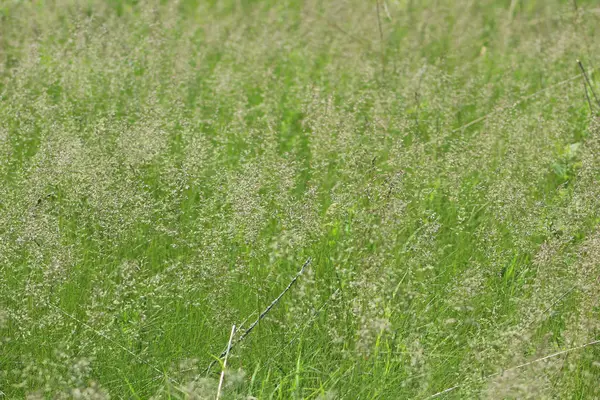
{"type": "Point", "coordinates": [167, 167]}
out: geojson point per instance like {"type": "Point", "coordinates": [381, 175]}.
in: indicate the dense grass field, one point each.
{"type": "Point", "coordinates": [166, 168]}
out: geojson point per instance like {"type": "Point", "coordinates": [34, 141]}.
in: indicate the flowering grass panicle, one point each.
{"type": "Point", "coordinates": [165, 167]}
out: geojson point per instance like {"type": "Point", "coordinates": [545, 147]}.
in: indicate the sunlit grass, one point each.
{"type": "Point", "coordinates": [167, 167]}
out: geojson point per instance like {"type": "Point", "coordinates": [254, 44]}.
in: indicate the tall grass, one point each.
{"type": "Point", "coordinates": [166, 168]}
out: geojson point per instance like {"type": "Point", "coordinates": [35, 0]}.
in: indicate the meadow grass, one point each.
{"type": "Point", "coordinates": [167, 167]}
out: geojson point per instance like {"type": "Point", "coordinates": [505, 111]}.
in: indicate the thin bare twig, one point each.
{"type": "Point", "coordinates": [225, 362]}
{"type": "Point", "coordinates": [381, 39]}
{"type": "Point", "coordinates": [585, 75]}
{"type": "Point", "coordinates": [261, 316]}
{"type": "Point", "coordinates": [587, 96]}
{"type": "Point", "coordinates": [594, 342]}
{"type": "Point", "coordinates": [311, 320]}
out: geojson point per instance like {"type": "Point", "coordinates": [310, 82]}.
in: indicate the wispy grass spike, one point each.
{"type": "Point", "coordinates": [587, 79]}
